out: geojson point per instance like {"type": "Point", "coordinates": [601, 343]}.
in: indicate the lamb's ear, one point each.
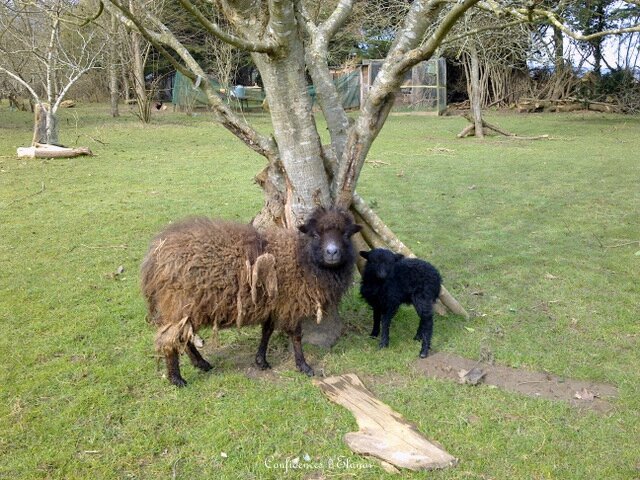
{"type": "Point", "coordinates": [364, 254]}
{"type": "Point", "coordinates": [353, 229]}
{"type": "Point", "coordinates": [309, 227]}
{"type": "Point", "coordinates": [399, 257]}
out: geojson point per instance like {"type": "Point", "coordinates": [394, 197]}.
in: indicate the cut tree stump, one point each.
{"type": "Point", "coordinates": [383, 433]}
{"type": "Point", "coordinates": [41, 150]}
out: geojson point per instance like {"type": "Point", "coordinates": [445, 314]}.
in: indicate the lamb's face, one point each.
{"type": "Point", "coordinates": [330, 234]}
{"type": "Point", "coordinates": [380, 262]}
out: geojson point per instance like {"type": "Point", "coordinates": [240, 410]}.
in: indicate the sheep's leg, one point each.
{"type": "Point", "coordinates": [173, 369]}
{"type": "Point", "coordinates": [421, 328]}
{"type": "Point", "coordinates": [301, 363]}
{"type": "Point", "coordinates": [261, 356]}
{"type": "Point", "coordinates": [376, 323]}
{"type": "Point", "coordinates": [425, 311]}
{"type": "Point", "coordinates": [386, 323]}
{"type": "Point", "coordinates": [196, 358]}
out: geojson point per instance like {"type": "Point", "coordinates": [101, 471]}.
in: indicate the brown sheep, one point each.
{"type": "Point", "coordinates": [201, 272]}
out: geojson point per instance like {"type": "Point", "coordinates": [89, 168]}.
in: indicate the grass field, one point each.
{"type": "Point", "coordinates": [538, 239]}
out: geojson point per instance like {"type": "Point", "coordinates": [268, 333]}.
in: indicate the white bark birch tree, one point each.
{"type": "Point", "coordinates": [45, 49]}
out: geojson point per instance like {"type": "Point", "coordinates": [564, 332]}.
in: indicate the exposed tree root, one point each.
{"type": "Point", "coordinates": [486, 126]}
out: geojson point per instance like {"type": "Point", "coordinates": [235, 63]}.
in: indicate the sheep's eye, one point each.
{"type": "Point", "coordinates": [316, 236]}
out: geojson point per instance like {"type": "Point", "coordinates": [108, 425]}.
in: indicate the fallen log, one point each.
{"type": "Point", "coordinates": [40, 150]}
{"type": "Point", "coordinates": [383, 433]}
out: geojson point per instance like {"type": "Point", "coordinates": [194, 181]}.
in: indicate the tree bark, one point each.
{"type": "Point", "coordinates": [300, 151]}
{"type": "Point", "coordinates": [474, 91]}
{"type": "Point", "coordinates": [558, 48]}
{"type": "Point", "coordinates": [45, 128]}
{"type": "Point", "coordinates": [137, 72]}
{"type": "Point", "coordinates": [113, 68]}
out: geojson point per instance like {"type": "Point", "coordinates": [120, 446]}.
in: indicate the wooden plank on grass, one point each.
{"type": "Point", "coordinates": [383, 433]}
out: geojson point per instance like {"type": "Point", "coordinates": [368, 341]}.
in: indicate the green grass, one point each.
{"type": "Point", "coordinates": [540, 228]}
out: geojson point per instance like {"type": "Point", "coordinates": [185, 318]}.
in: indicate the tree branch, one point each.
{"type": "Point", "coordinates": [540, 15]}
{"type": "Point", "coordinates": [236, 41]}
{"type": "Point", "coordinates": [18, 79]}
{"type": "Point", "coordinates": [426, 50]}
{"type": "Point", "coordinates": [316, 58]}
{"type": "Point", "coordinates": [257, 142]}
{"type": "Point", "coordinates": [476, 31]}
{"type": "Point", "coordinates": [282, 19]}
{"type": "Point", "coordinates": [337, 18]}
{"type": "Point", "coordinates": [404, 54]}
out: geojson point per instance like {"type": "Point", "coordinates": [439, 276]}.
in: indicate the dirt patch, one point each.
{"type": "Point", "coordinates": [578, 393]}
{"type": "Point", "coordinates": [233, 357]}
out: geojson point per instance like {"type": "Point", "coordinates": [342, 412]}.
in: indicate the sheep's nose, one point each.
{"type": "Point", "coordinates": [332, 253]}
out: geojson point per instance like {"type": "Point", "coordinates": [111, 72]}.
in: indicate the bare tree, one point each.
{"type": "Point", "coordinates": [288, 39]}
{"type": "Point", "coordinates": [44, 48]}
{"type": "Point", "coordinates": [494, 55]}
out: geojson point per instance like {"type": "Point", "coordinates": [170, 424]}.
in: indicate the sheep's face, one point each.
{"type": "Point", "coordinates": [380, 262]}
{"type": "Point", "coordinates": [329, 233]}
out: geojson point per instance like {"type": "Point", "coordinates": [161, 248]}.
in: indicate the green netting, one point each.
{"type": "Point", "coordinates": [348, 86]}
{"type": "Point", "coordinates": [186, 96]}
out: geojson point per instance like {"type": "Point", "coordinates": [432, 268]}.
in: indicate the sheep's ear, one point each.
{"type": "Point", "coordinates": [364, 254]}
{"type": "Point", "coordinates": [353, 229]}
{"type": "Point", "coordinates": [399, 257]}
{"type": "Point", "coordinates": [309, 227]}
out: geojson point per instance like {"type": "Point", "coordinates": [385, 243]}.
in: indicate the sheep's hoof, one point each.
{"type": "Point", "coordinates": [424, 354]}
{"type": "Point", "coordinates": [417, 337]}
{"type": "Point", "coordinates": [263, 364]}
{"type": "Point", "coordinates": [374, 334]}
{"type": "Point", "coordinates": [306, 369]}
{"type": "Point", "coordinates": [383, 345]}
{"type": "Point", "coordinates": [178, 381]}
{"type": "Point", "coordinates": [204, 366]}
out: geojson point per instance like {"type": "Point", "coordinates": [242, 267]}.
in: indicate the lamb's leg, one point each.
{"type": "Point", "coordinates": [196, 358]}
{"type": "Point", "coordinates": [261, 356]}
{"type": "Point", "coordinates": [421, 327]}
{"type": "Point", "coordinates": [301, 363]}
{"type": "Point", "coordinates": [172, 360]}
{"type": "Point", "coordinates": [386, 323]}
{"type": "Point", "coordinates": [424, 308]}
{"type": "Point", "coordinates": [376, 323]}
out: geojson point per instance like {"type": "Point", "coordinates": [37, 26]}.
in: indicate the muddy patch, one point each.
{"type": "Point", "coordinates": [578, 393]}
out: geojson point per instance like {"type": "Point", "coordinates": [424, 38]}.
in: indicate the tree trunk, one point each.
{"type": "Point", "coordinates": [475, 91]}
{"type": "Point", "coordinates": [305, 179]}
{"type": "Point", "coordinates": [45, 128]}
{"type": "Point", "coordinates": [138, 72]}
{"type": "Point", "coordinates": [558, 49]}
{"type": "Point", "coordinates": [302, 183]}
{"type": "Point", "coordinates": [113, 69]}
{"type": "Point", "coordinates": [126, 86]}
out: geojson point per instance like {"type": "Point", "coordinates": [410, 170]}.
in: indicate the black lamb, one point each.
{"type": "Point", "coordinates": [390, 279]}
